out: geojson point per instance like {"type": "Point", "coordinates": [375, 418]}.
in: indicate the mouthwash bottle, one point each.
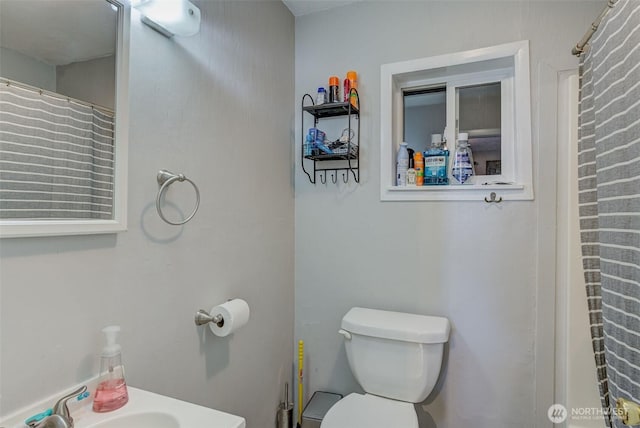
{"type": "Point", "coordinates": [436, 163]}
{"type": "Point", "coordinates": [462, 160]}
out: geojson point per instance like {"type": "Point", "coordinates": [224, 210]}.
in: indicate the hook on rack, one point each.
{"type": "Point", "coordinates": [492, 198]}
{"type": "Point", "coordinates": [323, 177]}
{"type": "Point", "coordinates": [334, 177]}
{"type": "Point", "coordinates": [345, 177]}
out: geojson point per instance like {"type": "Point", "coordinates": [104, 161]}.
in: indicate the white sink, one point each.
{"type": "Point", "coordinates": [140, 420]}
{"type": "Point", "coordinates": [144, 410]}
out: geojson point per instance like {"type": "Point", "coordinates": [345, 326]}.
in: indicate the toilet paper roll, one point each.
{"type": "Point", "coordinates": [235, 314]}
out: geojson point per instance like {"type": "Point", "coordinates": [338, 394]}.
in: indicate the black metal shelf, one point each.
{"type": "Point", "coordinates": [332, 157]}
{"type": "Point", "coordinates": [348, 162]}
{"type": "Point", "coordinates": [331, 110]}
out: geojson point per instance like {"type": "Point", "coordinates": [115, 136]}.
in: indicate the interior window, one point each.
{"type": "Point", "coordinates": [425, 113]}
{"type": "Point", "coordinates": [479, 114]}
{"type": "Point", "coordinates": [484, 93]}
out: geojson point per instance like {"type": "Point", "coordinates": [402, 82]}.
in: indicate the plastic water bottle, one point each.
{"type": "Point", "coordinates": [462, 160]}
{"type": "Point", "coordinates": [308, 146]}
{"type": "Point", "coordinates": [321, 98]}
{"type": "Point", "coordinates": [402, 164]}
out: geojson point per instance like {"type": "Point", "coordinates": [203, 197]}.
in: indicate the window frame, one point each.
{"type": "Point", "coordinates": [507, 64]}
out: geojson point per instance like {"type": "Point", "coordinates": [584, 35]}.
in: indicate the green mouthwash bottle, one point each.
{"type": "Point", "coordinates": [436, 163]}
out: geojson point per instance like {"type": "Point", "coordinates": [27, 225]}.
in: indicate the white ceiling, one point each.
{"type": "Point", "coordinates": [58, 32]}
{"type": "Point", "coordinates": [305, 7]}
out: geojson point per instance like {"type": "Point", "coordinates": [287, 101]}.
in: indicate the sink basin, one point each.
{"type": "Point", "coordinates": [144, 410]}
{"type": "Point", "coordinates": [148, 410]}
{"type": "Point", "coordinates": [141, 420]}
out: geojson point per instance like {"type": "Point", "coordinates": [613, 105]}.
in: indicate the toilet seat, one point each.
{"type": "Point", "coordinates": [370, 411]}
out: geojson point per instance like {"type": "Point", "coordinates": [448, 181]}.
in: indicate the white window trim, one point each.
{"type": "Point", "coordinates": [400, 75]}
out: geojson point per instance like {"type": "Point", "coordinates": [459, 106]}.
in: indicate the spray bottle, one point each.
{"type": "Point", "coordinates": [402, 165]}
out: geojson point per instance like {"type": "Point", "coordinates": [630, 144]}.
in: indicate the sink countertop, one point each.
{"type": "Point", "coordinates": [188, 415]}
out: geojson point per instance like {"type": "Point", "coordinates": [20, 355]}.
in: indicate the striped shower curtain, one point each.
{"type": "Point", "coordinates": [56, 157]}
{"type": "Point", "coordinates": [609, 201]}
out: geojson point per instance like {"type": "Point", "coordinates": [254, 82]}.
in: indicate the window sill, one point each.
{"type": "Point", "coordinates": [458, 192]}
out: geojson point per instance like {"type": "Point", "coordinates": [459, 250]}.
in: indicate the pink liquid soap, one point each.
{"type": "Point", "coordinates": [110, 395]}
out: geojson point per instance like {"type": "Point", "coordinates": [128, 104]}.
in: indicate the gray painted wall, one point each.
{"type": "Point", "coordinates": [472, 262]}
{"type": "Point", "coordinates": [208, 106]}
{"type": "Point", "coordinates": [25, 69]}
{"type": "Point", "coordinates": [93, 81]}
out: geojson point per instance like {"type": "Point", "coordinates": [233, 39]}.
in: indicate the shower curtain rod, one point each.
{"type": "Point", "coordinates": [9, 82]}
{"type": "Point", "coordinates": [579, 48]}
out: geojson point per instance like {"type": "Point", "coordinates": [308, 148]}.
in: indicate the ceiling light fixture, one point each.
{"type": "Point", "coordinates": [170, 17]}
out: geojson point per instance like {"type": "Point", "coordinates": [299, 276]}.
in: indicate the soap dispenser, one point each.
{"type": "Point", "coordinates": [111, 393]}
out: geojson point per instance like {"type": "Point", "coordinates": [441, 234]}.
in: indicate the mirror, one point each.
{"type": "Point", "coordinates": [425, 114]}
{"type": "Point", "coordinates": [479, 114]}
{"type": "Point", "coordinates": [63, 116]}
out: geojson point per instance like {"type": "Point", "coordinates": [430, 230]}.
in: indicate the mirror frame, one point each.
{"type": "Point", "coordinates": [28, 228]}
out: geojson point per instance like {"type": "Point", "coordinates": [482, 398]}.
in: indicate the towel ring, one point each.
{"type": "Point", "coordinates": [165, 179]}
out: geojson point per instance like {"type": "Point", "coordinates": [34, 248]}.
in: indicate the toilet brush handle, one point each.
{"type": "Point", "coordinates": [300, 377]}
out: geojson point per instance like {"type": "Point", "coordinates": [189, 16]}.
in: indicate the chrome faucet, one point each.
{"type": "Point", "coordinates": [60, 418]}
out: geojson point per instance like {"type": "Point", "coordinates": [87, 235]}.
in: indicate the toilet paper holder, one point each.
{"type": "Point", "coordinates": [203, 317]}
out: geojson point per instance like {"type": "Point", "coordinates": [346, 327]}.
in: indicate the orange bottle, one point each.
{"type": "Point", "coordinates": [334, 89]}
{"type": "Point", "coordinates": [418, 165]}
{"type": "Point", "coordinates": [351, 82]}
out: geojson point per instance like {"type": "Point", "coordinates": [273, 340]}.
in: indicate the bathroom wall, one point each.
{"type": "Point", "coordinates": [217, 107]}
{"type": "Point", "coordinates": [22, 68]}
{"type": "Point", "coordinates": [472, 262]}
{"type": "Point", "coordinates": [92, 81]}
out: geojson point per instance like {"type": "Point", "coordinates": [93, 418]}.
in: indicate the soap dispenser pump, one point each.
{"type": "Point", "coordinates": [111, 393]}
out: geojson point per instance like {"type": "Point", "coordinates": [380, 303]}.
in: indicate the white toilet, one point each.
{"type": "Point", "coordinates": [396, 358]}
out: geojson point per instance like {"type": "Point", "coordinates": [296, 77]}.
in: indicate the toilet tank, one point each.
{"type": "Point", "coordinates": [394, 354]}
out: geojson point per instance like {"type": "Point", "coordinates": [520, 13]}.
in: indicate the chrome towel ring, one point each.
{"type": "Point", "coordinates": [165, 179]}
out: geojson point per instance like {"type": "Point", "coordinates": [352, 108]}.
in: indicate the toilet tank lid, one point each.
{"type": "Point", "coordinates": [396, 325]}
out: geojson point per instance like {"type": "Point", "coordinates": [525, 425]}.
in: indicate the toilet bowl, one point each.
{"type": "Point", "coordinates": [396, 358]}
{"type": "Point", "coordinates": [359, 411]}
